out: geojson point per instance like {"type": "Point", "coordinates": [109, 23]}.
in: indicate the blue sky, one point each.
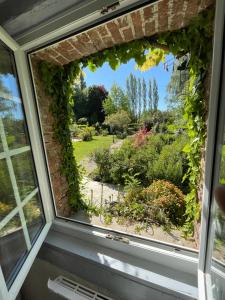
{"type": "Point", "coordinates": [106, 76]}
{"type": "Point", "coordinates": [10, 83]}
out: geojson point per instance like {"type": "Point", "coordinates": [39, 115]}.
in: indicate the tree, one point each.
{"type": "Point", "coordinates": [82, 81]}
{"type": "Point", "coordinates": [177, 88]}
{"type": "Point", "coordinates": [155, 95]}
{"type": "Point", "coordinates": [132, 94]}
{"type": "Point", "coordinates": [150, 95]}
{"type": "Point", "coordinates": [109, 106]}
{"type": "Point", "coordinates": [81, 109]}
{"type": "Point", "coordinates": [118, 121]}
{"type": "Point", "coordinates": [139, 98]}
{"type": "Point", "coordinates": [117, 100]}
{"type": "Point", "coordinates": [96, 97]}
{"type": "Point", "coordinates": [88, 103]}
{"type": "Point", "coordinates": [128, 91]}
{"type": "Point", "coordinates": [144, 92]}
{"type": "Point", "coordinates": [135, 95]}
{"type": "Point", "coordinates": [6, 105]}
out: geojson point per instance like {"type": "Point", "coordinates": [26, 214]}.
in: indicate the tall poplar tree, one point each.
{"type": "Point", "coordinates": [139, 98]}
{"type": "Point", "coordinates": [155, 95]}
{"type": "Point", "coordinates": [82, 81]}
{"type": "Point", "coordinates": [150, 95]}
{"type": "Point", "coordinates": [144, 95]}
{"type": "Point", "coordinates": [135, 96]}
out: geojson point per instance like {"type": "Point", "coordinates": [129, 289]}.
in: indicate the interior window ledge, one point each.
{"type": "Point", "coordinates": [174, 280]}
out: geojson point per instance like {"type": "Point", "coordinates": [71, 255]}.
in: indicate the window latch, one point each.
{"type": "Point", "coordinates": [108, 8]}
{"type": "Point", "coordinates": [118, 238]}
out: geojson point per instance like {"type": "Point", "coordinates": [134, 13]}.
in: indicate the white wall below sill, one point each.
{"type": "Point", "coordinates": [109, 268]}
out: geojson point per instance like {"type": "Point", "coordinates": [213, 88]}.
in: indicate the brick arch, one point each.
{"type": "Point", "coordinates": [163, 16]}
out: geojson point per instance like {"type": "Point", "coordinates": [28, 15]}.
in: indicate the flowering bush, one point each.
{"type": "Point", "coordinates": [140, 137]}
{"type": "Point", "coordinates": [162, 203]}
{"type": "Point", "coordinates": [168, 198]}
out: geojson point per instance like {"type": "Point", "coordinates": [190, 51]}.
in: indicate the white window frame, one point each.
{"type": "Point", "coordinates": [50, 38]}
{"type": "Point", "coordinates": [154, 249]}
{"type": "Point", "coordinates": [160, 252]}
{"type": "Point", "coordinates": [211, 162]}
{"type": "Point", "coordinates": [39, 159]}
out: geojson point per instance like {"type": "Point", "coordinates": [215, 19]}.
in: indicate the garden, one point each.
{"type": "Point", "coordinates": [131, 164]}
{"type": "Point", "coordinates": [131, 154]}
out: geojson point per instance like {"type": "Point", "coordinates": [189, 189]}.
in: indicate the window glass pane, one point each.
{"type": "Point", "coordinates": [217, 235]}
{"type": "Point", "coordinates": [34, 217]}
{"type": "Point", "coordinates": [219, 221]}
{"type": "Point", "coordinates": [10, 103]}
{"type": "Point", "coordinates": [17, 173]}
{"type": "Point", "coordinates": [12, 247]}
{"type": "Point", "coordinates": [24, 172]}
{"type": "Point", "coordinates": [7, 200]}
{"type": "Point", "coordinates": [131, 152]}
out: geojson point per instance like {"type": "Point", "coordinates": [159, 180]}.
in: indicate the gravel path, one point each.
{"type": "Point", "coordinates": [100, 193]}
{"type": "Point", "coordinates": [116, 145]}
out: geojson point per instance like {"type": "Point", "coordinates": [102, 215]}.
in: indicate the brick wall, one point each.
{"type": "Point", "coordinates": [59, 183]}
{"type": "Point", "coordinates": [160, 17]}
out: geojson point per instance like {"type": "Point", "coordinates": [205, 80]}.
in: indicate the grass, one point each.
{"type": "Point", "coordinates": [84, 149]}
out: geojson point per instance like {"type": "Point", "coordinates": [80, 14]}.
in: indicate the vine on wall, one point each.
{"type": "Point", "coordinates": [59, 84]}
{"type": "Point", "coordinates": [196, 39]}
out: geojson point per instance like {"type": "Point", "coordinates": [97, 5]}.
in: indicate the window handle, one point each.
{"type": "Point", "coordinates": [111, 7]}
{"type": "Point", "coordinates": [118, 238]}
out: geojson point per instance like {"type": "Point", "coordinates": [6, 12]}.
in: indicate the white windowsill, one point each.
{"type": "Point", "coordinates": [172, 273]}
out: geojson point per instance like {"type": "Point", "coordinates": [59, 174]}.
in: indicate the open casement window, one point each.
{"type": "Point", "coordinates": [211, 271]}
{"type": "Point", "coordinates": [25, 199]}
{"type": "Point", "coordinates": [24, 221]}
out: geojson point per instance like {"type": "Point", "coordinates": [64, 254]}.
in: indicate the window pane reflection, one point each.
{"type": "Point", "coordinates": [17, 173]}
{"type": "Point", "coordinates": [10, 103]}
{"type": "Point", "coordinates": [7, 200]}
{"type": "Point", "coordinates": [12, 247]}
{"type": "Point", "coordinates": [33, 215]}
{"type": "Point", "coordinates": [24, 172]}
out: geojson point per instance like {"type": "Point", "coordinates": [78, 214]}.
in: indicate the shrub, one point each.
{"type": "Point", "coordinates": [86, 133]}
{"type": "Point", "coordinates": [140, 137]}
{"type": "Point", "coordinates": [168, 198]}
{"type": "Point", "coordinates": [118, 121]}
{"type": "Point", "coordinates": [82, 121]}
{"type": "Point", "coordinates": [103, 159]}
{"type": "Point", "coordinates": [121, 162]}
{"type": "Point", "coordinates": [171, 164]}
{"type": "Point", "coordinates": [104, 132]}
{"type": "Point", "coordinates": [121, 135]}
{"type": "Point", "coordinates": [160, 157]}
{"type": "Point", "coordinates": [162, 203]}
{"type": "Point", "coordinates": [75, 130]}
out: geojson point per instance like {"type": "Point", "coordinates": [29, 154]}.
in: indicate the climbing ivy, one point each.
{"type": "Point", "coordinates": [196, 39]}
{"type": "Point", "coordinates": [59, 84]}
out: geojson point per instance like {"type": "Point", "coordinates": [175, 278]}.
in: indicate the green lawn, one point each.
{"type": "Point", "coordinates": [84, 149]}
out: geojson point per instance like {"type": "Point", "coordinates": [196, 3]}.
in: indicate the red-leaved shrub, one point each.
{"type": "Point", "coordinates": [140, 137]}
